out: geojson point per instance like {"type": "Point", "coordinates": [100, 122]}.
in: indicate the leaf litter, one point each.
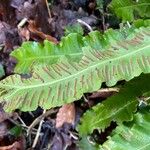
{"type": "Point", "coordinates": [30, 20]}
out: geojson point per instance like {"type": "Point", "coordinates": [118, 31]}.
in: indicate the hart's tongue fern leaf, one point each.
{"type": "Point", "coordinates": [66, 81]}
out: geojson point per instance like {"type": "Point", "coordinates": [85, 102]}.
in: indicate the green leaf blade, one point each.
{"type": "Point", "coordinates": [126, 9]}
{"type": "Point", "coordinates": [119, 107]}
{"type": "Point", "coordinates": [135, 137]}
{"type": "Point", "coordinates": [66, 81]}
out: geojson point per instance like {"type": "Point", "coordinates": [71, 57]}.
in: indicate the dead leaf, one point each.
{"type": "Point", "coordinates": [24, 33]}
{"type": "Point", "coordinates": [104, 93]}
{"type": "Point", "coordinates": [66, 114]}
{"type": "Point", "coordinates": [34, 30]}
{"type": "Point", "coordinates": [15, 146]}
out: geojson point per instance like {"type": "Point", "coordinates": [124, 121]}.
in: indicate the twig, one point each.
{"type": "Point", "coordinates": [22, 23]}
{"type": "Point", "coordinates": [38, 131]}
{"type": "Point", "coordinates": [21, 120]}
{"type": "Point", "coordinates": [38, 119]}
{"type": "Point", "coordinates": [109, 90]}
{"type": "Point", "coordinates": [128, 24]}
{"type": "Point", "coordinates": [85, 24]}
{"type": "Point", "coordinates": [49, 12]}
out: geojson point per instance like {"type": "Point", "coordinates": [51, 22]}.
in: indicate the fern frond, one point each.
{"type": "Point", "coordinates": [64, 82]}
{"type": "Point", "coordinates": [119, 107]}
{"type": "Point", "coordinates": [132, 136]}
{"type": "Point", "coordinates": [128, 10]}
{"type": "Point", "coordinates": [33, 53]}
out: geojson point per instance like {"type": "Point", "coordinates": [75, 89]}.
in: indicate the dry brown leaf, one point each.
{"type": "Point", "coordinates": [24, 33]}
{"type": "Point", "coordinates": [14, 146]}
{"type": "Point", "coordinates": [66, 114]}
{"type": "Point", "coordinates": [34, 30]}
{"type": "Point", "coordinates": [104, 93]}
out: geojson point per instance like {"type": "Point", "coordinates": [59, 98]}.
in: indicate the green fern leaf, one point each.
{"type": "Point", "coordinates": [119, 107]}
{"type": "Point", "coordinates": [33, 53]}
{"type": "Point", "coordinates": [140, 22]}
{"type": "Point", "coordinates": [128, 10]}
{"type": "Point", "coordinates": [64, 82]}
{"type": "Point", "coordinates": [132, 136]}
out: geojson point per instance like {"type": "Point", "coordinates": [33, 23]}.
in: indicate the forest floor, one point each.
{"type": "Point", "coordinates": [37, 20]}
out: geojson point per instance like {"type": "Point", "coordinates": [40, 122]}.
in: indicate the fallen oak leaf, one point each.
{"type": "Point", "coordinates": [66, 114]}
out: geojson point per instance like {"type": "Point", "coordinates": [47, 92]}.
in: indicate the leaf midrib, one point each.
{"type": "Point", "coordinates": [114, 114]}
{"type": "Point", "coordinates": [79, 72]}
{"type": "Point", "coordinates": [134, 5]}
{"type": "Point", "coordinates": [50, 56]}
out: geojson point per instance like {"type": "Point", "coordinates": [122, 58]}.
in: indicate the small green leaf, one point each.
{"type": "Point", "coordinates": [131, 136]}
{"type": "Point", "coordinates": [140, 22]}
{"type": "Point", "coordinates": [75, 28]}
{"type": "Point", "coordinates": [16, 131]}
{"type": "Point", "coordinates": [119, 107]}
{"type": "Point", "coordinates": [130, 10]}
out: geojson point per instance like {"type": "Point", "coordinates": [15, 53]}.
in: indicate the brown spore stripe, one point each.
{"type": "Point", "coordinates": [136, 41]}
{"type": "Point", "coordinates": [87, 57]}
{"type": "Point", "coordinates": [49, 92]}
{"type": "Point", "coordinates": [74, 66]}
{"type": "Point", "coordinates": [75, 87]}
{"type": "Point", "coordinates": [64, 69]}
{"type": "Point", "coordinates": [65, 65]}
{"type": "Point", "coordinates": [47, 71]}
{"type": "Point", "coordinates": [101, 56]}
{"type": "Point", "coordinates": [38, 77]}
{"type": "Point", "coordinates": [95, 54]}
{"type": "Point", "coordinates": [63, 95]}
{"type": "Point", "coordinates": [107, 72]}
{"type": "Point", "coordinates": [57, 72]}
{"type": "Point", "coordinates": [52, 100]}
{"type": "Point", "coordinates": [123, 45]}
{"type": "Point", "coordinates": [140, 36]}
{"type": "Point", "coordinates": [114, 72]}
{"type": "Point", "coordinates": [85, 61]}
{"type": "Point", "coordinates": [40, 100]}
{"type": "Point", "coordinates": [81, 65]}
{"type": "Point", "coordinates": [67, 89]}
{"type": "Point", "coordinates": [98, 53]}
{"type": "Point", "coordinates": [82, 81]}
{"type": "Point", "coordinates": [88, 81]}
{"type": "Point", "coordinates": [144, 60]}
{"type": "Point", "coordinates": [120, 69]}
{"type": "Point", "coordinates": [16, 102]}
{"type": "Point", "coordinates": [57, 67]}
{"type": "Point", "coordinates": [24, 102]}
{"type": "Point", "coordinates": [59, 92]}
{"type": "Point", "coordinates": [91, 77]}
{"type": "Point", "coordinates": [110, 53]}
{"type": "Point", "coordinates": [12, 79]}
{"type": "Point", "coordinates": [97, 72]}
{"type": "Point", "coordinates": [129, 68]}
{"type": "Point", "coordinates": [146, 33]}
{"type": "Point", "coordinates": [33, 97]}
{"type": "Point", "coordinates": [132, 66]}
